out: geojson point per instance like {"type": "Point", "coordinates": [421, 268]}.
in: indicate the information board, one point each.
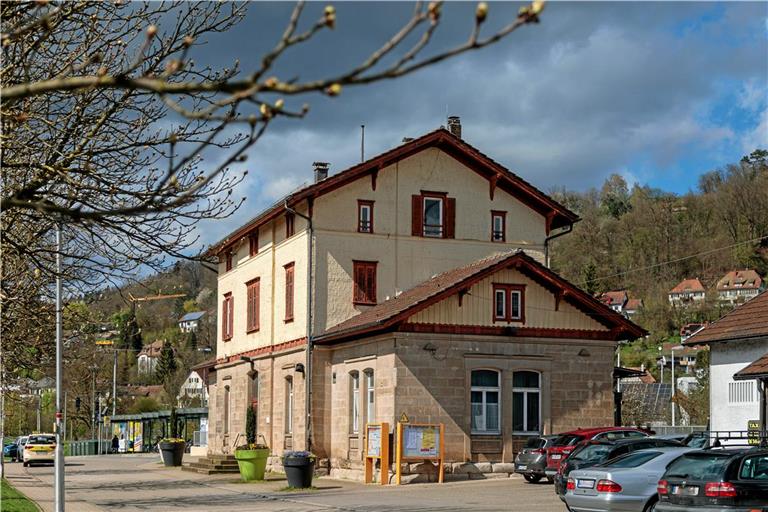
{"type": "Point", "coordinates": [421, 441]}
{"type": "Point", "coordinates": [753, 432]}
{"type": "Point", "coordinates": [373, 441]}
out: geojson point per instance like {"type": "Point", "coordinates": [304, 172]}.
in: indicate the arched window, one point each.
{"type": "Point", "coordinates": [289, 405]}
{"type": "Point", "coordinates": [526, 402]}
{"type": "Point", "coordinates": [227, 407]}
{"type": "Point", "coordinates": [370, 396]}
{"type": "Point", "coordinates": [354, 402]}
{"type": "Point", "coordinates": [485, 400]}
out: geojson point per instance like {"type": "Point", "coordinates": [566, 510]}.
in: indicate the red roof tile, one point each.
{"type": "Point", "coordinates": [443, 139]}
{"type": "Point", "coordinates": [614, 297]}
{"type": "Point", "coordinates": [688, 285]}
{"type": "Point", "coordinates": [634, 304]}
{"type": "Point", "coordinates": [757, 369]}
{"type": "Point", "coordinates": [740, 279]}
{"type": "Point", "coordinates": [748, 320]}
{"type": "Point", "coordinates": [388, 313]}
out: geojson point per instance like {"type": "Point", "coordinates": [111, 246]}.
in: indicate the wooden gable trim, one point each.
{"type": "Point", "coordinates": [441, 139]}
{"type": "Point", "coordinates": [508, 331]}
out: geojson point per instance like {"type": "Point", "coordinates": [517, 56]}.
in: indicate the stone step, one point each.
{"type": "Point", "coordinates": [210, 471]}
{"type": "Point", "coordinates": [198, 465]}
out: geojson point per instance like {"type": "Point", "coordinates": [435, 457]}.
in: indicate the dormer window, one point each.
{"type": "Point", "coordinates": [498, 226]}
{"type": "Point", "coordinates": [364, 216]}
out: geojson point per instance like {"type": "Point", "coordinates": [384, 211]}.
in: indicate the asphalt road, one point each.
{"type": "Point", "coordinates": [139, 483]}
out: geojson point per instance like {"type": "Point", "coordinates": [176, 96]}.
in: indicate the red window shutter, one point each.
{"type": "Point", "coordinates": [256, 300]}
{"type": "Point", "coordinates": [450, 217]}
{"type": "Point", "coordinates": [224, 319]}
{"type": "Point", "coordinates": [289, 292]}
{"type": "Point", "coordinates": [370, 285]}
{"type": "Point", "coordinates": [417, 215]}
{"type": "Point", "coordinates": [231, 316]}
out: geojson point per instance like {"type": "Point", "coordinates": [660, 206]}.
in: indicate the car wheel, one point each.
{"type": "Point", "coordinates": [26, 464]}
{"type": "Point", "coordinates": [550, 479]}
{"type": "Point", "coordinates": [651, 506]}
{"type": "Point", "coordinates": [534, 479]}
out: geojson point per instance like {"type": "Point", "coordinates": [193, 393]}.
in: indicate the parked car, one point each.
{"type": "Point", "coordinates": [621, 484]}
{"type": "Point", "coordinates": [716, 480]}
{"type": "Point", "coordinates": [532, 460]}
{"type": "Point", "coordinates": [20, 442]}
{"type": "Point", "coordinates": [39, 448]}
{"type": "Point", "coordinates": [10, 450]}
{"type": "Point", "coordinates": [593, 453]}
{"type": "Point", "coordinates": [568, 441]}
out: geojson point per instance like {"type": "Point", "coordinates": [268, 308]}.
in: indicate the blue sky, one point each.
{"type": "Point", "coordinates": [658, 92]}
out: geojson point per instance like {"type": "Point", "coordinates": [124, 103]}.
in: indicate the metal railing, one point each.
{"type": "Point", "coordinates": [663, 430]}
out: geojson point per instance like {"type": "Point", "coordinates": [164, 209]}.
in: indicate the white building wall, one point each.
{"type": "Point", "coordinates": [730, 405]}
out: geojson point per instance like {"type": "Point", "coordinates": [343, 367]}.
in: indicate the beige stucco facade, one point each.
{"type": "Point", "coordinates": [429, 385]}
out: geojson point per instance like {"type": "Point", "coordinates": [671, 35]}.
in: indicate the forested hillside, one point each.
{"type": "Point", "coordinates": [647, 240]}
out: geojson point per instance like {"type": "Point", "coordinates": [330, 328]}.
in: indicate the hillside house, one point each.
{"type": "Point", "coordinates": [415, 282]}
{"type": "Point", "coordinates": [738, 344]}
{"type": "Point", "coordinates": [616, 300]}
{"type": "Point", "coordinates": [633, 307]}
{"type": "Point", "coordinates": [739, 286]}
{"type": "Point", "coordinates": [191, 321]}
{"type": "Point", "coordinates": [147, 359]}
{"type": "Point", "coordinates": [688, 291]}
{"type": "Point", "coordinates": [193, 389]}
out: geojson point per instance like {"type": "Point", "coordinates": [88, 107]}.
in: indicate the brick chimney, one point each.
{"type": "Point", "coordinates": [454, 125]}
{"type": "Point", "coordinates": [321, 170]}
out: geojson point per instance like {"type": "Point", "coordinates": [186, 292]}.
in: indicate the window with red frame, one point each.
{"type": "Point", "coordinates": [433, 215]}
{"type": "Point", "coordinates": [253, 244]}
{"type": "Point", "coordinates": [289, 225]}
{"type": "Point", "coordinates": [228, 261]}
{"type": "Point", "coordinates": [289, 292]}
{"type": "Point", "coordinates": [252, 313]}
{"type": "Point", "coordinates": [364, 216]}
{"type": "Point", "coordinates": [498, 226]}
{"type": "Point", "coordinates": [364, 278]}
{"type": "Point", "coordinates": [227, 317]}
{"type": "Point", "coordinates": [508, 303]}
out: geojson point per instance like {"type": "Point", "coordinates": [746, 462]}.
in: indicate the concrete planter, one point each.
{"type": "Point", "coordinates": [172, 453]}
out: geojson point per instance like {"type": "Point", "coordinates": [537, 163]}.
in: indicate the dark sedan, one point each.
{"type": "Point", "coordinates": [532, 460]}
{"type": "Point", "coordinates": [595, 452]}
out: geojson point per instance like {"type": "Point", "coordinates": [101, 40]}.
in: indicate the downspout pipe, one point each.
{"type": "Point", "coordinates": [310, 310]}
{"type": "Point", "coordinates": [552, 237]}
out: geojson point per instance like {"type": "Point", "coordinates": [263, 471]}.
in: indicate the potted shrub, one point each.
{"type": "Point", "coordinates": [252, 456]}
{"type": "Point", "coordinates": [172, 448]}
{"type": "Point", "coordinates": [299, 468]}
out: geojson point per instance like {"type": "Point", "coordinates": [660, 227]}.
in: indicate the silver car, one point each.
{"type": "Point", "coordinates": [624, 484]}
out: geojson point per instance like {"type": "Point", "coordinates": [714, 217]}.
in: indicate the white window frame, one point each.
{"type": "Point", "coordinates": [497, 230]}
{"type": "Point", "coordinates": [525, 392]}
{"type": "Point", "coordinates": [512, 314]}
{"type": "Point", "coordinates": [441, 226]}
{"type": "Point", "coordinates": [354, 402]}
{"type": "Point", "coordinates": [370, 396]}
{"type": "Point", "coordinates": [485, 390]}
{"type": "Point", "coordinates": [500, 292]}
{"type": "Point", "coordinates": [365, 216]}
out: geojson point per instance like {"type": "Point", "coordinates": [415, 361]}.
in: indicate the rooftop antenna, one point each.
{"type": "Point", "coordinates": [362, 143]}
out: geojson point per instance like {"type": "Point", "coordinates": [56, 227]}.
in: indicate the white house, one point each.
{"type": "Point", "coordinates": [737, 343]}
{"type": "Point", "coordinates": [190, 321]}
{"type": "Point", "coordinates": [194, 387]}
{"type": "Point", "coordinates": [687, 291]}
{"type": "Point", "coordinates": [147, 358]}
{"type": "Point", "coordinates": [739, 285]}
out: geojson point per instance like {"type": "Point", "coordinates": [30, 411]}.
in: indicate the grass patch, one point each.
{"type": "Point", "coordinates": [298, 489]}
{"type": "Point", "coordinates": [12, 500]}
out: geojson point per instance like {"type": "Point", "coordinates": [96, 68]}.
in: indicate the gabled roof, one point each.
{"type": "Point", "coordinates": [387, 315]}
{"type": "Point", "coordinates": [634, 304]}
{"type": "Point", "coordinates": [153, 349]}
{"type": "Point", "coordinates": [739, 280]}
{"type": "Point", "coordinates": [749, 320]}
{"type": "Point", "coordinates": [498, 176]}
{"type": "Point", "coordinates": [191, 317]}
{"type": "Point", "coordinates": [755, 370]}
{"type": "Point", "coordinates": [688, 286]}
{"type": "Point", "coordinates": [614, 298]}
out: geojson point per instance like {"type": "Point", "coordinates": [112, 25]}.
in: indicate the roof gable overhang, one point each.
{"type": "Point", "coordinates": [555, 214]}
{"type": "Point", "coordinates": [620, 328]}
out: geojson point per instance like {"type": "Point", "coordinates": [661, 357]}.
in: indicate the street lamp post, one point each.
{"type": "Point", "coordinates": [674, 386]}
{"type": "Point", "coordinates": [59, 454]}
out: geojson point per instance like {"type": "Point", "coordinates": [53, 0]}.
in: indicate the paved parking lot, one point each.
{"type": "Point", "coordinates": [139, 483]}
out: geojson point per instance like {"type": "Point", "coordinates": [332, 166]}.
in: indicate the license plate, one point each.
{"type": "Point", "coordinates": [556, 456]}
{"type": "Point", "coordinates": [42, 449]}
{"type": "Point", "coordinates": [521, 467]}
{"type": "Point", "coordinates": [688, 490]}
{"type": "Point", "coordinates": [585, 484]}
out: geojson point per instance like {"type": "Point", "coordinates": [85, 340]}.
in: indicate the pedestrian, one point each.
{"type": "Point", "coordinates": [115, 444]}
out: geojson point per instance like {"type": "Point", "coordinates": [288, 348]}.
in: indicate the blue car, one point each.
{"type": "Point", "coordinates": [11, 450]}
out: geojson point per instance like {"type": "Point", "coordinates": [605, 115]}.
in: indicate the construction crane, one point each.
{"type": "Point", "coordinates": [159, 296]}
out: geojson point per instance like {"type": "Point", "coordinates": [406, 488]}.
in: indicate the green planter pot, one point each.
{"type": "Point", "coordinates": [171, 453]}
{"type": "Point", "coordinates": [252, 463]}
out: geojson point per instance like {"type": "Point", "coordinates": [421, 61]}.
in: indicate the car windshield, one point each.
{"type": "Point", "coordinates": [696, 442]}
{"type": "Point", "coordinates": [535, 443]}
{"type": "Point", "coordinates": [592, 452]}
{"type": "Point", "coordinates": [631, 460]}
{"type": "Point", "coordinates": [699, 466]}
{"type": "Point", "coordinates": [567, 440]}
{"type": "Point", "coordinates": [41, 440]}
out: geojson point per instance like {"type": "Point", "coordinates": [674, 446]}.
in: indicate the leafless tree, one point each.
{"type": "Point", "coordinates": [106, 122]}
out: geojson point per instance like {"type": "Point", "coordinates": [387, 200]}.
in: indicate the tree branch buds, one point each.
{"type": "Point", "coordinates": [481, 13]}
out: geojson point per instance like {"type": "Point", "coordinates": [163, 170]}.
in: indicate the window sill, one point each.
{"type": "Point", "coordinates": [528, 433]}
{"type": "Point", "coordinates": [361, 303]}
{"type": "Point", "coordinates": [509, 321]}
{"type": "Point", "coordinates": [486, 433]}
{"type": "Point", "coordinates": [227, 339]}
{"type": "Point", "coordinates": [288, 320]}
{"type": "Point", "coordinates": [251, 331]}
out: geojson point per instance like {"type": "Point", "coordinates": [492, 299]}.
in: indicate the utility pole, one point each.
{"type": "Point", "coordinates": [114, 384]}
{"type": "Point", "coordinates": [59, 454]}
{"type": "Point", "coordinates": [93, 403]}
{"type": "Point", "coordinates": [673, 387]}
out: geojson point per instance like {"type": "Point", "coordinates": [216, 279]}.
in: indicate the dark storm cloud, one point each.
{"type": "Point", "coordinates": [595, 88]}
